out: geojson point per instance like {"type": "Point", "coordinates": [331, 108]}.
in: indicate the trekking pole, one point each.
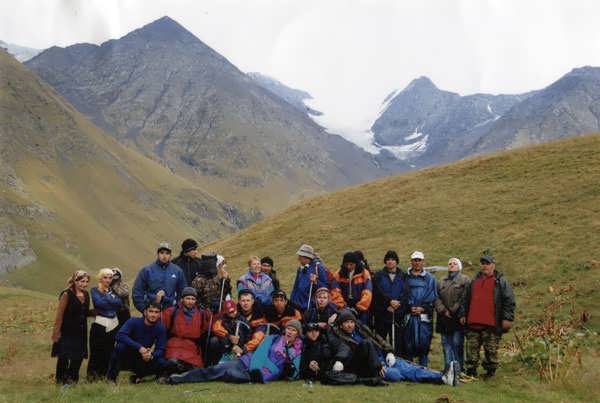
{"type": "Point", "coordinates": [222, 290]}
{"type": "Point", "coordinates": [394, 332]}
{"type": "Point", "coordinates": [208, 336]}
{"type": "Point", "coordinates": [317, 265]}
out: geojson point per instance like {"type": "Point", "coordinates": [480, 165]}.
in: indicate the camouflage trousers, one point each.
{"type": "Point", "coordinates": [490, 341]}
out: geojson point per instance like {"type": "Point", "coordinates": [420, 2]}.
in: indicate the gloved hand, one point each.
{"type": "Point", "coordinates": [390, 359]}
{"type": "Point", "coordinates": [338, 366]}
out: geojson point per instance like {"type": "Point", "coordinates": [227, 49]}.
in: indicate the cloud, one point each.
{"type": "Point", "coordinates": [349, 54]}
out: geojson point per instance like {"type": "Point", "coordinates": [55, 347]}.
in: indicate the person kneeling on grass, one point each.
{"type": "Point", "coordinates": [133, 350]}
{"type": "Point", "coordinates": [277, 357]}
{"type": "Point", "coordinates": [186, 323]}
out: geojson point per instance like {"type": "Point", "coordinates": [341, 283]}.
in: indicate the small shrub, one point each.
{"type": "Point", "coordinates": [553, 344]}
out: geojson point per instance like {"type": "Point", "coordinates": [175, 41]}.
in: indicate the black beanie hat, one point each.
{"type": "Point", "coordinates": [268, 260]}
{"type": "Point", "coordinates": [188, 245]}
{"type": "Point", "coordinates": [350, 257]}
{"type": "Point", "coordinates": [391, 254]}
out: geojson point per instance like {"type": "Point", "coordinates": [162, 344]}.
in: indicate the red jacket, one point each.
{"type": "Point", "coordinates": [184, 334]}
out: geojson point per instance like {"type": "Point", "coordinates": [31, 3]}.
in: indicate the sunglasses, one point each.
{"type": "Point", "coordinates": [417, 260]}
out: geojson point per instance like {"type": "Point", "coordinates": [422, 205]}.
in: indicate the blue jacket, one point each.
{"type": "Point", "coordinates": [262, 287]}
{"type": "Point", "coordinates": [107, 303]}
{"type": "Point", "coordinates": [385, 290]}
{"type": "Point", "coordinates": [302, 284]}
{"type": "Point", "coordinates": [135, 334]}
{"type": "Point", "coordinates": [155, 277]}
{"type": "Point", "coordinates": [421, 291]}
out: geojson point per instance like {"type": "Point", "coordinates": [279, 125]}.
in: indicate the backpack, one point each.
{"type": "Point", "coordinates": [338, 378]}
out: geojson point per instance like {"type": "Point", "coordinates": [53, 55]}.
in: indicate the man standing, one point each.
{"type": "Point", "coordinates": [421, 296]}
{"type": "Point", "coordinates": [212, 287]}
{"type": "Point", "coordinates": [161, 281]}
{"type": "Point", "coordinates": [311, 275]}
{"type": "Point", "coordinates": [354, 282]}
{"type": "Point", "coordinates": [267, 267]}
{"type": "Point", "coordinates": [488, 311]}
{"type": "Point", "coordinates": [188, 260]}
{"type": "Point", "coordinates": [133, 350]}
{"type": "Point", "coordinates": [388, 301]}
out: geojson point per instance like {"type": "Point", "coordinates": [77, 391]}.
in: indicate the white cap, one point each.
{"type": "Point", "coordinates": [417, 255]}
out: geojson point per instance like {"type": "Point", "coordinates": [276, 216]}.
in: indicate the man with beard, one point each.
{"type": "Point", "coordinates": [134, 347]}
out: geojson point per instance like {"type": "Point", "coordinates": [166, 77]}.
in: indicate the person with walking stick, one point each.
{"type": "Point", "coordinates": [388, 301]}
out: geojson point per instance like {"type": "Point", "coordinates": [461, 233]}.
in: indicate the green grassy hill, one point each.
{"type": "Point", "coordinates": [536, 208]}
{"type": "Point", "coordinates": [27, 374]}
{"type": "Point", "coordinates": [74, 197]}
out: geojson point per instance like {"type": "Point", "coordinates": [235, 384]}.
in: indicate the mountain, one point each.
{"type": "Point", "coordinates": [426, 126]}
{"type": "Point", "coordinates": [535, 207]}
{"type": "Point", "coordinates": [293, 96]}
{"type": "Point", "coordinates": [164, 92]}
{"type": "Point", "coordinates": [21, 53]}
{"type": "Point", "coordinates": [568, 107]}
{"type": "Point", "coordinates": [423, 124]}
{"type": "Point", "coordinates": [72, 196]}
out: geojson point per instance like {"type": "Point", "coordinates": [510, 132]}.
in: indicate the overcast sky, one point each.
{"type": "Point", "coordinates": [349, 54]}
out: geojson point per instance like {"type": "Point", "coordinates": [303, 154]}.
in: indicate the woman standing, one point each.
{"type": "Point", "coordinates": [451, 292]}
{"type": "Point", "coordinates": [70, 328]}
{"type": "Point", "coordinates": [122, 290]}
{"type": "Point", "coordinates": [256, 281]}
{"type": "Point", "coordinates": [102, 335]}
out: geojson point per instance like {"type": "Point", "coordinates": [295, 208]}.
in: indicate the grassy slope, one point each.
{"type": "Point", "coordinates": [111, 205]}
{"type": "Point", "coordinates": [537, 208]}
{"type": "Point", "coordinates": [26, 374]}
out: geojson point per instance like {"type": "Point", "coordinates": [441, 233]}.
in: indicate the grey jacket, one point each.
{"type": "Point", "coordinates": [451, 294]}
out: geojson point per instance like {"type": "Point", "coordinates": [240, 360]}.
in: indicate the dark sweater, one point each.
{"type": "Point", "coordinates": [135, 334]}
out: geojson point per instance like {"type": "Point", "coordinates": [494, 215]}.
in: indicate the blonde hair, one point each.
{"type": "Point", "coordinates": [103, 272]}
{"type": "Point", "coordinates": [251, 259]}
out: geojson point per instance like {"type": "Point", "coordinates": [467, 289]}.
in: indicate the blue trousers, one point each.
{"type": "Point", "coordinates": [231, 371]}
{"type": "Point", "coordinates": [407, 371]}
{"type": "Point", "coordinates": [454, 348]}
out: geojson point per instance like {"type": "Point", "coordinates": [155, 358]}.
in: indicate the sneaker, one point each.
{"type": "Point", "coordinates": [472, 372]}
{"type": "Point", "coordinates": [450, 377]}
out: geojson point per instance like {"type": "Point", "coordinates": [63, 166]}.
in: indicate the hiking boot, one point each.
{"type": "Point", "coordinates": [489, 374]}
{"type": "Point", "coordinates": [464, 378]}
{"type": "Point", "coordinates": [451, 376]}
{"type": "Point", "coordinates": [162, 380]}
{"type": "Point", "coordinates": [134, 379]}
{"type": "Point", "coordinates": [472, 372]}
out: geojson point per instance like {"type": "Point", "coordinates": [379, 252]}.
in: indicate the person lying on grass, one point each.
{"type": "Point", "coordinates": [365, 354]}
{"type": "Point", "coordinates": [277, 357]}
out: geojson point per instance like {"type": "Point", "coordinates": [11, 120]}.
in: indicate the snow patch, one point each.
{"type": "Point", "coordinates": [415, 135]}
{"type": "Point", "coordinates": [407, 151]}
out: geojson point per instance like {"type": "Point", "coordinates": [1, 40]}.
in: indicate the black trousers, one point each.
{"type": "Point", "coordinates": [124, 358]}
{"type": "Point", "coordinates": [384, 329]}
{"type": "Point", "coordinates": [67, 370]}
{"type": "Point", "coordinates": [216, 348]}
{"type": "Point", "coordinates": [365, 360]}
{"type": "Point", "coordinates": [102, 345]}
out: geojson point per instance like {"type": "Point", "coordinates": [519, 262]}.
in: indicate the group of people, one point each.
{"type": "Point", "coordinates": [348, 326]}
